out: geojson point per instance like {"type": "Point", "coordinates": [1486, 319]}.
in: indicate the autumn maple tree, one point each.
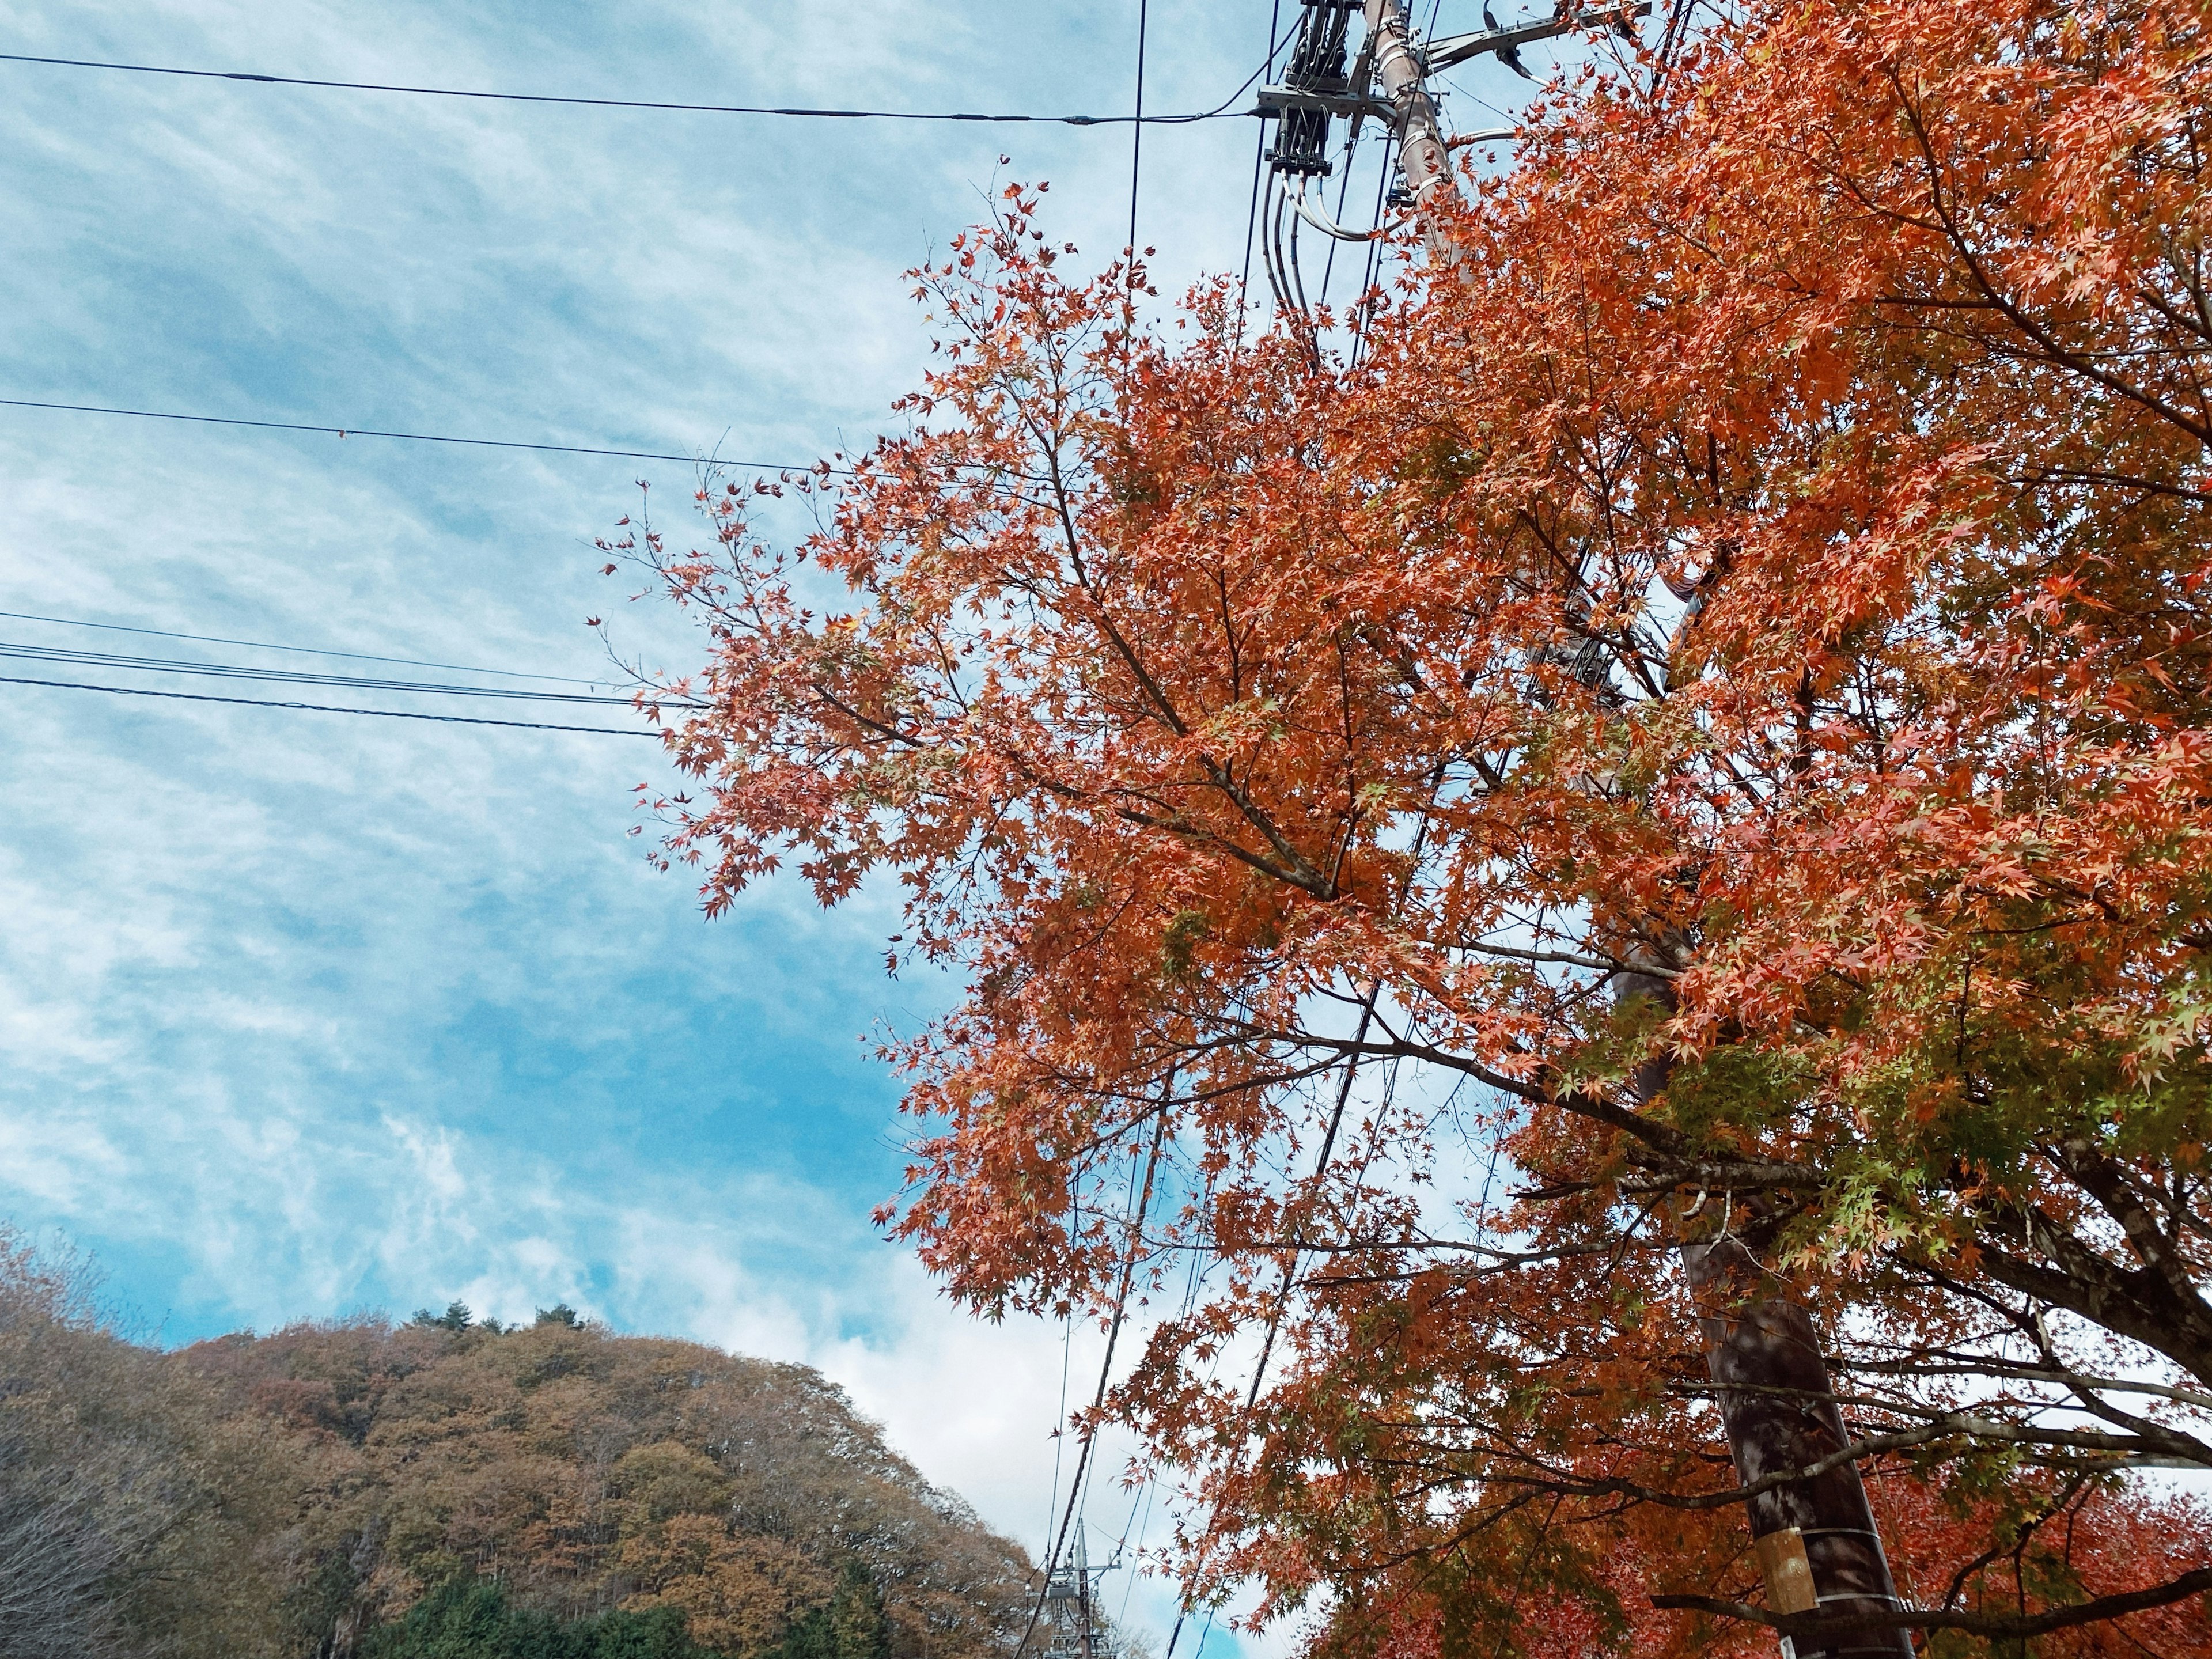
{"type": "Point", "coordinates": [1675, 784]}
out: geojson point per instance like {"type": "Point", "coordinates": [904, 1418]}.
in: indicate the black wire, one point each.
{"type": "Point", "coordinates": [1215, 113]}
{"type": "Point", "coordinates": [1159, 1130]}
{"type": "Point", "coordinates": [1252, 216]}
{"type": "Point", "coordinates": [1137, 128]}
{"type": "Point", "coordinates": [328, 709]}
{"type": "Point", "coordinates": [296, 650]}
{"type": "Point", "coordinates": [1370, 267]}
{"type": "Point", "coordinates": [1105, 1369]}
{"type": "Point", "coordinates": [10, 649]}
{"type": "Point", "coordinates": [414, 437]}
{"type": "Point", "coordinates": [1343, 195]}
{"type": "Point", "coordinates": [1258, 152]}
{"type": "Point", "coordinates": [1289, 1272]}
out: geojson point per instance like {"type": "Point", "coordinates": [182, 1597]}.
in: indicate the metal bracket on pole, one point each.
{"type": "Point", "coordinates": [1273, 101]}
{"type": "Point", "coordinates": [1383, 78]}
{"type": "Point", "coordinates": [1458, 48]}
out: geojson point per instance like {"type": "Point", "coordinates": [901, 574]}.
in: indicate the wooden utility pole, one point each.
{"type": "Point", "coordinates": [1818, 1547]}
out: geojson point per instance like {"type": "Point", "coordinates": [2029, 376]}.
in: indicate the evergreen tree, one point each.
{"type": "Point", "coordinates": [471, 1618]}
{"type": "Point", "coordinates": [857, 1626]}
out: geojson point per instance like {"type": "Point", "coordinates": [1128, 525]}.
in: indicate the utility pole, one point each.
{"type": "Point", "coordinates": [1423, 162]}
{"type": "Point", "coordinates": [1818, 1547]}
{"type": "Point", "coordinates": [1386, 83]}
{"type": "Point", "coordinates": [1083, 1621]}
{"type": "Point", "coordinates": [1068, 1593]}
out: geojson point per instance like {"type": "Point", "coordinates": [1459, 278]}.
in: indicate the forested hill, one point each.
{"type": "Point", "coordinates": [443, 1490]}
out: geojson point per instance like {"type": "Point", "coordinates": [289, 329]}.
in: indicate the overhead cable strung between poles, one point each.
{"type": "Point", "coordinates": [715, 462]}
{"type": "Point", "coordinates": [1368, 1005]}
{"type": "Point", "coordinates": [1057, 1540]}
{"type": "Point", "coordinates": [420, 437]}
{"type": "Point", "coordinates": [1090, 1431]}
{"type": "Point", "coordinates": [1290, 1279]}
{"type": "Point", "coordinates": [10, 650]}
{"type": "Point", "coordinates": [329, 708]}
{"type": "Point", "coordinates": [293, 650]}
{"type": "Point", "coordinates": [1259, 159]}
{"type": "Point", "coordinates": [1218, 112]}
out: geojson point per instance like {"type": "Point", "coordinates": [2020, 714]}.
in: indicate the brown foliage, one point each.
{"type": "Point", "coordinates": [139, 1513]}
{"type": "Point", "coordinates": [268, 1497]}
{"type": "Point", "coordinates": [588, 1470]}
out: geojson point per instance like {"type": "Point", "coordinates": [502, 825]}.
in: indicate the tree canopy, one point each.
{"type": "Point", "coordinates": [1698, 735]}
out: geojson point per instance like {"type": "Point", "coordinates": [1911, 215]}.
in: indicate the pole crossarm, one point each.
{"type": "Point", "coordinates": [1456, 49]}
{"type": "Point", "coordinates": [1273, 100]}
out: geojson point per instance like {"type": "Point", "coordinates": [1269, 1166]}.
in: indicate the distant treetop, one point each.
{"type": "Point", "coordinates": [457, 1317]}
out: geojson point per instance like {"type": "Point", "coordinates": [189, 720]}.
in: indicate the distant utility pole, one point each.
{"type": "Point", "coordinates": [1068, 1593]}
{"type": "Point", "coordinates": [1083, 1619]}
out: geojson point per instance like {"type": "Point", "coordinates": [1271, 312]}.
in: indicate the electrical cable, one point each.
{"type": "Point", "coordinates": [1370, 267]}
{"type": "Point", "coordinates": [1082, 1462]}
{"type": "Point", "coordinates": [1297, 273]}
{"type": "Point", "coordinates": [1137, 128]}
{"type": "Point", "coordinates": [1150, 1491]}
{"type": "Point", "coordinates": [1259, 157]}
{"type": "Point", "coordinates": [1343, 194]}
{"type": "Point", "coordinates": [1105, 1372]}
{"type": "Point", "coordinates": [327, 708]}
{"type": "Point", "coordinates": [1217, 113]}
{"type": "Point", "coordinates": [416, 437]}
{"type": "Point", "coordinates": [65, 657]}
{"type": "Point", "coordinates": [1290, 1269]}
{"type": "Point", "coordinates": [1060, 1419]}
{"type": "Point", "coordinates": [296, 650]}
{"type": "Point", "coordinates": [1313, 1187]}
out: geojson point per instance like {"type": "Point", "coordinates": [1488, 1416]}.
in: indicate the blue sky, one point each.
{"type": "Point", "coordinates": [304, 1013]}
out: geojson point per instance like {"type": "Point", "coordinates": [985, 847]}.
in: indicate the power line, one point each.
{"type": "Point", "coordinates": [1290, 1279]}
{"type": "Point", "coordinates": [418, 437]}
{"type": "Point", "coordinates": [817, 468]}
{"type": "Point", "coordinates": [296, 650]}
{"type": "Point", "coordinates": [1106, 1367]}
{"type": "Point", "coordinates": [1259, 155]}
{"type": "Point", "coordinates": [1054, 1541]}
{"type": "Point", "coordinates": [327, 708]}
{"type": "Point", "coordinates": [293, 677]}
{"type": "Point", "coordinates": [1139, 118]}
{"type": "Point", "coordinates": [1137, 127]}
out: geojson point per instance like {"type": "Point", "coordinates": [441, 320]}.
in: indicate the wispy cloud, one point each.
{"type": "Point", "coordinates": [301, 1013]}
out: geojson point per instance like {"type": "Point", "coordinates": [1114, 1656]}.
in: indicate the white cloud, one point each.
{"type": "Point", "coordinates": [304, 1012]}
